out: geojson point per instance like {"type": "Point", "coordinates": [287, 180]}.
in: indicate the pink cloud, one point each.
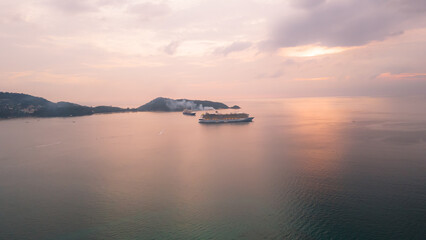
{"type": "Point", "coordinates": [313, 79]}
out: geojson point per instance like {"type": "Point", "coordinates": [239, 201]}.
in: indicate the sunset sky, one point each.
{"type": "Point", "coordinates": [126, 52]}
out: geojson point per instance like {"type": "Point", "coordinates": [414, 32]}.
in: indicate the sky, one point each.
{"type": "Point", "coordinates": [127, 52]}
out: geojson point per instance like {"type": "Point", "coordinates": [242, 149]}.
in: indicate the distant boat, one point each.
{"type": "Point", "coordinates": [225, 118]}
{"type": "Point", "coordinates": [188, 112]}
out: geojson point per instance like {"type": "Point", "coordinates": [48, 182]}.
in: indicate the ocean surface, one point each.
{"type": "Point", "coordinates": [307, 168]}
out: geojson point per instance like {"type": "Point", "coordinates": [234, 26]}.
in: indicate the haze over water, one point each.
{"type": "Point", "coordinates": [312, 168]}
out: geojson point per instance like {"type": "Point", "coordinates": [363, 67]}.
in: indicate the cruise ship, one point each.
{"type": "Point", "coordinates": [225, 118]}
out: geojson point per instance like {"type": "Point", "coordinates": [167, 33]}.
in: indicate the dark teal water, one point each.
{"type": "Point", "coordinates": [317, 168]}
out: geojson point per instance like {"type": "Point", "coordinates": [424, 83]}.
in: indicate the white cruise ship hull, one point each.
{"type": "Point", "coordinates": [249, 119]}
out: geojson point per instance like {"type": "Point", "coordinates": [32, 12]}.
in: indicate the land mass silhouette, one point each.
{"type": "Point", "coordinates": [15, 105]}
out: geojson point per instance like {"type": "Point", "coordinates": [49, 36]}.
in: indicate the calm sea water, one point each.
{"type": "Point", "coordinates": [317, 168]}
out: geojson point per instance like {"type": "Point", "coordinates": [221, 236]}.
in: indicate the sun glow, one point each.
{"type": "Point", "coordinates": [309, 51]}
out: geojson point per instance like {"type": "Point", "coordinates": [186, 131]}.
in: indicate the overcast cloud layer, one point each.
{"type": "Point", "coordinates": [128, 51]}
{"type": "Point", "coordinates": [348, 23]}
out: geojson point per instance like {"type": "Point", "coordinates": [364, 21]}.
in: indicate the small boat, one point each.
{"type": "Point", "coordinates": [225, 118]}
{"type": "Point", "coordinates": [188, 112]}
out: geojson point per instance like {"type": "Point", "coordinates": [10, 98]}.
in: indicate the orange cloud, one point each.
{"type": "Point", "coordinates": [402, 76]}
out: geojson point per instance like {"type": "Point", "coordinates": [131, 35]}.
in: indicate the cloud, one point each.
{"type": "Point", "coordinates": [73, 6]}
{"type": "Point", "coordinates": [83, 6]}
{"type": "Point", "coordinates": [413, 6]}
{"type": "Point", "coordinates": [402, 76]}
{"type": "Point", "coordinates": [233, 47]}
{"type": "Point", "coordinates": [347, 23]}
{"type": "Point", "coordinates": [171, 47]}
{"type": "Point", "coordinates": [313, 79]}
{"type": "Point", "coordinates": [147, 11]}
{"type": "Point", "coordinates": [124, 45]}
{"type": "Point", "coordinates": [307, 3]}
{"type": "Point", "coordinates": [51, 77]}
{"type": "Point", "coordinates": [275, 74]}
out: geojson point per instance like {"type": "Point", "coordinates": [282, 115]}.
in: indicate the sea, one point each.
{"type": "Point", "coordinates": [305, 168]}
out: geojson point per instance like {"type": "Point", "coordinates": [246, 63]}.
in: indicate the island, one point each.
{"type": "Point", "coordinates": [15, 105]}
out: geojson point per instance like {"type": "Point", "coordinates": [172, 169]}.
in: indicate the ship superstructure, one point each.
{"type": "Point", "coordinates": [225, 117]}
